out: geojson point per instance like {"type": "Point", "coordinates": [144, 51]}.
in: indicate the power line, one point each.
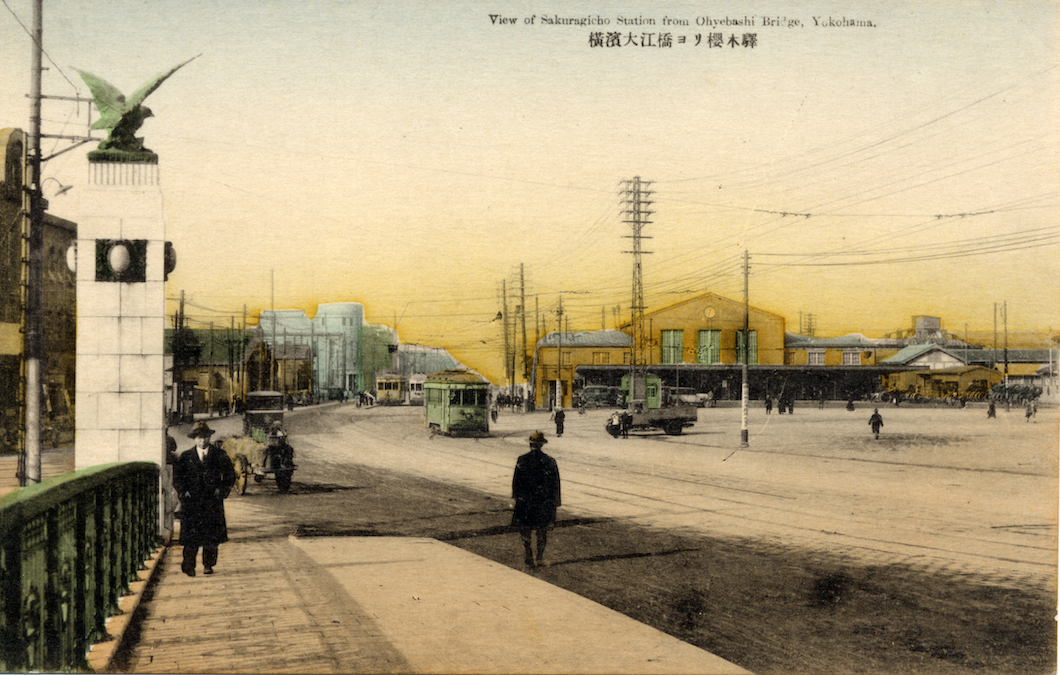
{"type": "Point", "coordinates": [34, 39]}
{"type": "Point", "coordinates": [1049, 240]}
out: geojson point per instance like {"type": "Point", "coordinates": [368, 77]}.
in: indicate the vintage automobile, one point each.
{"type": "Point", "coordinates": [264, 407]}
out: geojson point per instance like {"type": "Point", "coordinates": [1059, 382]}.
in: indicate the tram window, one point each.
{"type": "Point", "coordinates": [454, 397]}
{"type": "Point", "coordinates": [481, 398]}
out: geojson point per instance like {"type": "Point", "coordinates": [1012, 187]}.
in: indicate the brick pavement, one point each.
{"type": "Point", "coordinates": [379, 605]}
{"type": "Point", "coordinates": [267, 609]}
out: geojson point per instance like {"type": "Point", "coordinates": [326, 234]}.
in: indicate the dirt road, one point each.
{"type": "Point", "coordinates": [816, 549]}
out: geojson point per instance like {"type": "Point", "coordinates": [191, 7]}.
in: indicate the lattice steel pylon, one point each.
{"type": "Point", "coordinates": [636, 198]}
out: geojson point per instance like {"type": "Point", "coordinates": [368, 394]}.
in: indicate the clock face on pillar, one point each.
{"type": "Point", "coordinates": [710, 312]}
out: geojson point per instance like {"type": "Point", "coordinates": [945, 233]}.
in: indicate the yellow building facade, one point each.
{"type": "Point", "coordinates": [709, 329]}
{"type": "Point", "coordinates": [559, 353]}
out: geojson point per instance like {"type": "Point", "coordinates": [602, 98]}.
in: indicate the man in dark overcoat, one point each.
{"type": "Point", "coordinates": [536, 491]}
{"type": "Point", "coordinates": [203, 476]}
{"type": "Point", "coordinates": [876, 421]}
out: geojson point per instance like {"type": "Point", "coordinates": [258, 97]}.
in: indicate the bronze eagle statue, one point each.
{"type": "Point", "coordinates": [123, 116]}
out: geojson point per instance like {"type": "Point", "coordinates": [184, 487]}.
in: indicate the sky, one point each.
{"type": "Point", "coordinates": [414, 157]}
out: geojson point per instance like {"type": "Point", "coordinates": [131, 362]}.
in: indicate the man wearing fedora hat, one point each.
{"type": "Point", "coordinates": [203, 476]}
{"type": "Point", "coordinates": [536, 491]}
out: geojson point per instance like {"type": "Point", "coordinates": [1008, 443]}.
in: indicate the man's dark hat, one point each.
{"type": "Point", "coordinates": [201, 429]}
{"type": "Point", "coordinates": [537, 438]}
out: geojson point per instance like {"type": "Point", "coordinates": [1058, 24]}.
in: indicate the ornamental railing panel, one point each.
{"type": "Point", "coordinates": [70, 546]}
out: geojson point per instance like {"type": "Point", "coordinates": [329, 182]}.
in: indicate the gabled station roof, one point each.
{"type": "Point", "coordinates": [907, 354]}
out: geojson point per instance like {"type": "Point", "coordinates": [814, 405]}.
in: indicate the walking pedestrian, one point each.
{"type": "Point", "coordinates": [626, 421]}
{"type": "Point", "coordinates": [876, 421]}
{"type": "Point", "coordinates": [992, 410]}
{"type": "Point", "coordinates": [536, 491]}
{"type": "Point", "coordinates": [769, 404]}
{"type": "Point", "coordinates": [1030, 410]}
{"type": "Point", "coordinates": [559, 416]}
{"type": "Point", "coordinates": [203, 477]}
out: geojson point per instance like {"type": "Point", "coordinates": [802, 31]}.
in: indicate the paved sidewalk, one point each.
{"type": "Point", "coordinates": [380, 605]}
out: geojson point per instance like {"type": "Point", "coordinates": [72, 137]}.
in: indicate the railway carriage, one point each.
{"type": "Point", "coordinates": [457, 403]}
{"type": "Point", "coordinates": [390, 387]}
{"type": "Point", "coordinates": [415, 389]}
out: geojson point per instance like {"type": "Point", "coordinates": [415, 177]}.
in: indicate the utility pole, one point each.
{"type": "Point", "coordinates": [1004, 311]}
{"type": "Point", "coordinates": [637, 216]}
{"type": "Point", "coordinates": [559, 354]}
{"type": "Point", "coordinates": [272, 347]}
{"type": "Point", "coordinates": [994, 359]}
{"type": "Point", "coordinates": [178, 370]}
{"type": "Point", "coordinates": [231, 363]}
{"type": "Point", "coordinates": [522, 318]}
{"type": "Point", "coordinates": [33, 307]}
{"type": "Point", "coordinates": [212, 403]}
{"type": "Point", "coordinates": [513, 344]}
{"type": "Point", "coordinates": [507, 346]}
{"type": "Point", "coordinates": [744, 387]}
{"type": "Point", "coordinates": [242, 357]}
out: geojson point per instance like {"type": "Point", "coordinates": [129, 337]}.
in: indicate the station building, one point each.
{"type": "Point", "coordinates": [710, 329]}
{"type": "Point", "coordinates": [707, 330]}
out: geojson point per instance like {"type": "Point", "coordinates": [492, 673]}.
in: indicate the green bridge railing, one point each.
{"type": "Point", "coordinates": [69, 548]}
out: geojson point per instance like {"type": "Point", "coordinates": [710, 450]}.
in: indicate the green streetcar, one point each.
{"type": "Point", "coordinates": [457, 403]}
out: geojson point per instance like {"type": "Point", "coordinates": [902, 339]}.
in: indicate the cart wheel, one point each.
{"type": "Point", "coordinates": [674, 428]}
{"type": "Point", "coordinates": [258, 478]}
{"type": "Point", "coordinates": [283, 481]}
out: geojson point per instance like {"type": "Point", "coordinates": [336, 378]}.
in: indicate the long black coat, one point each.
{"type": "Point", "coordinates": [876, 421]}
{"type": "Point", "coordinates": [536, 490]}
{"type": "Point", "coordinates": [202, 488]}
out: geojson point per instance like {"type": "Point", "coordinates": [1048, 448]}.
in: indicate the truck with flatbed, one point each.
{"type": "Point", "coordinates": [644, 411]}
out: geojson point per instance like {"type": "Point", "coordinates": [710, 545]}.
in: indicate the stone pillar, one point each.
{"type": "Point", "coordinates": [120, 315]}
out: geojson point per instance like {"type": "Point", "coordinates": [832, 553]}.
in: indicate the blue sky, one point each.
{"type": "Point", "coordinates": [411, 157]}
